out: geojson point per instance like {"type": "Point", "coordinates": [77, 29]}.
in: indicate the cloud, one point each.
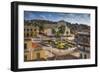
{"type": "Point", "coordinates": [55, 16]}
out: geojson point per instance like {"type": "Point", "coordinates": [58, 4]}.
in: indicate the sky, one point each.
{"type": "Point", "coordinates": [80, 18]}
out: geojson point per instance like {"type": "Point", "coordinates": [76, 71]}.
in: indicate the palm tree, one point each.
{"type": "Point", "coordinates": [41, 28]}
{"type": "Point", "coordinates": [61, 29]}
{"type": "Point", "coordinates": [36, 28]}
{"type": "Point", "coordinates": [53, 31]}
{"type": "Point", "coordinates": [56, 33]}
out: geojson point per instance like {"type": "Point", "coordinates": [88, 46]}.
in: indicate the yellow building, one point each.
{"type": "Point", "coordinates": [30, 31]}
{"type": "Point", "coordinates": [32, 51]}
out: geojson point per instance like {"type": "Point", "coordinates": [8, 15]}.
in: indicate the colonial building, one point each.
{"type": "Point", "coordinates": [48, 30]}
{"type": "Point", "coordinates": [30, 31]}
{"type": "Point", "coordinates": [67, 30]}
{"type": "Point", "coordinates": [83, 41]}
{"type": "Point", "coordinates": [32, 39]}
{"type": "Point", "coordinates": [33, 51]}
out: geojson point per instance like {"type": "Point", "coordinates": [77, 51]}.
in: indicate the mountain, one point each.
{"type": "Point", "coordinates": [75, 27]}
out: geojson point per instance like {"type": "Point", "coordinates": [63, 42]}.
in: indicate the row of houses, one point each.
{"type": "Point", "coordinates": [33, 51]}
{"type": "Point", "coordinates": [32, 37]}
{"type": "Point", "coordinates": [82, 40]}
{"type": "Point", "coordinates": [32, 31]}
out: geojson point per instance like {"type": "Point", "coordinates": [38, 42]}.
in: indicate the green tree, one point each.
{"type": "Point", "coordinates": [61, 29]}
{"type": "Point", "coordinates": [41, 28]}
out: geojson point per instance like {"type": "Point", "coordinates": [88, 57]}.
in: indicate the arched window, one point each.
{"type": "Point", "coordinates": [31, 30]}
{"type": "Point", "coordinates": [27, 34]}
{"type": "Point", "coordinates": [27, 29]}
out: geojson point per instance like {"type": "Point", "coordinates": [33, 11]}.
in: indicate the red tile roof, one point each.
{"type": "Point", "coordinates": [34, 45]}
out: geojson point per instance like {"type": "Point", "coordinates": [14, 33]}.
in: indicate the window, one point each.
{"type": "Point", "coordinates": [27, 34]}
{"type": "Point", "coordinates": [67, 32]}
{"type": "Point", "coordinates": [30, 29]}
{"type": "Point", "coordinates": [27, 29]}
{"type": "Point", "coordinates": [25, 46]}
{"type": "Point", "coordinates": [85, 56]}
